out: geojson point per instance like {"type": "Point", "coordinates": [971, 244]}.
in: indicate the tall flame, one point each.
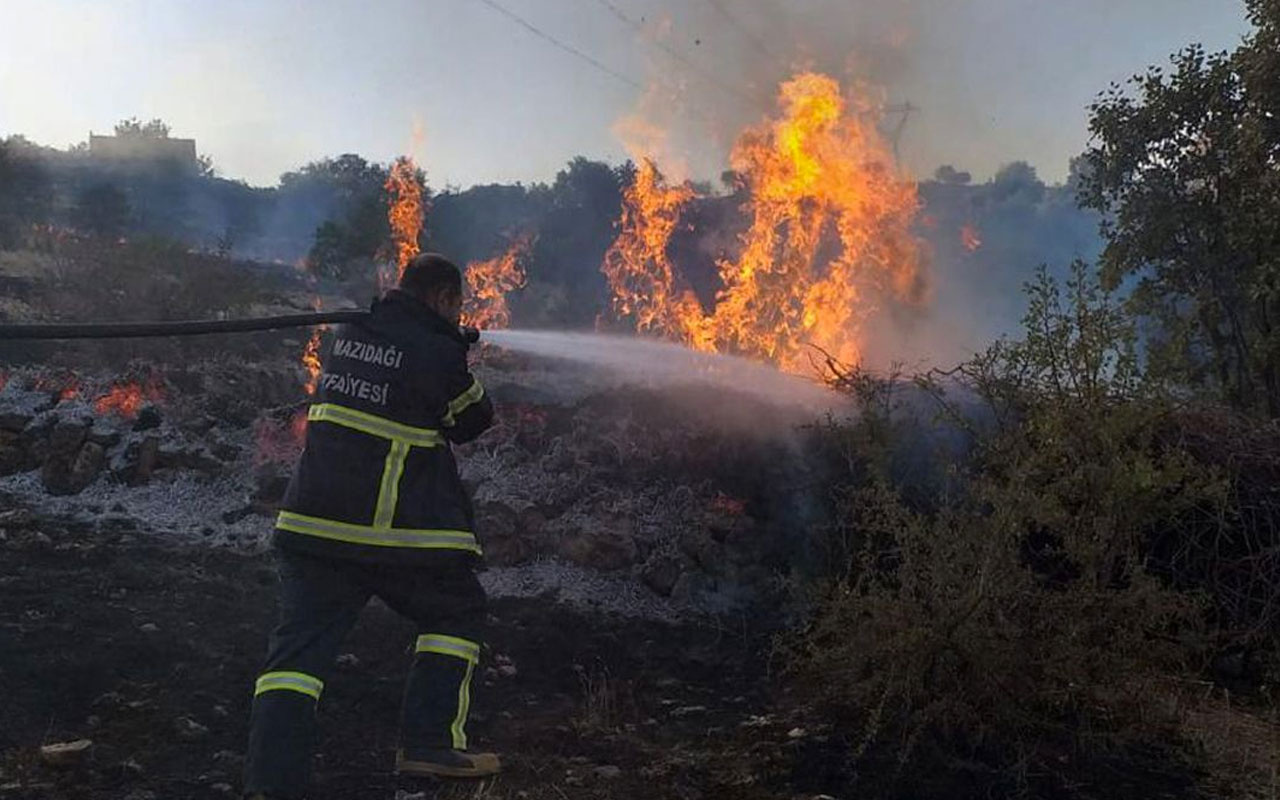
{"type": "Point", "coordinates": [491, 281]}
{"type": "Point", "coordinates": [636, 264]}
{"type": "Point", "coordinates": [830, 233]}
{"type": "Point", "coordinates": [404, 209]}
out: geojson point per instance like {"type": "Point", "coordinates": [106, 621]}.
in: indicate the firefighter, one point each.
{"type": "Point", "coordinates": [376, 507]}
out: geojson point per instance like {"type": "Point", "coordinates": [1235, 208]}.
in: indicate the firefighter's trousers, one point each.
{"type": "Point", "coordinates": [320, 601]}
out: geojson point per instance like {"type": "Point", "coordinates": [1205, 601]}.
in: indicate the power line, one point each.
{"type": "Point", "coordinates": [568, 48]}
{"type": "Point", "coordinates": [755, 40]}
{"type": "Point", "coordinates": [681, 57]}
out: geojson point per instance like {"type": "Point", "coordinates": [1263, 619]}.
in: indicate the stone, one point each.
{"type": "Point", "coordinates": [13, 453]}
{"type": "Point", "coordinates": [608, 772]}
{"type": "Point", "coordinates": [88, 463]}
{"type": "Point", "coordinates": [661, 573]}
{"type": "Point", "coordinates": [225, 451]}
{"type": "Point", "coordinates": [63, 474]}
{"type": "Point", "coordinates": [17, 518]}
{"type": "Point", "coordinates": [189, 730]}
{"type": "Point", "coordinates": [148, 419]}
{"type": "Point", "coordinates": [14, 421]}
{"type": "Point", "coordinates": [66, 754]}
{"type": "Point", "coordinates": [497, 526]}
{"type": "Point", "coordinates": [145, 463]}
{"type": "Point", "coordinates": [103, 434]}
{"type": "Point", "coordinates": [604, 547]}
{"type": "Point", "coordinates": [149, 627]}
{"type": "Point", "coordinates": [66, 437]}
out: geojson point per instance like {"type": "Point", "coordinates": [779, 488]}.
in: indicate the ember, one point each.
{"type": "Point", "coordinates": [817, 172]}
{"type": "Point", "coordinates": [127, 399]}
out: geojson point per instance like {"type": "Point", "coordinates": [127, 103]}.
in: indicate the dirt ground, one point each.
{"type": "Point", "coordinates": [151, 653]}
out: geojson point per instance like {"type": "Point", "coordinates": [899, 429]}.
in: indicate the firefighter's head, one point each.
{"type": "Point", "coordinates": [437, 283]}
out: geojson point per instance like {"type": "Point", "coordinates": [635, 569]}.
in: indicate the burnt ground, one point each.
{"type": "Point", "coordinates": [150, 652]}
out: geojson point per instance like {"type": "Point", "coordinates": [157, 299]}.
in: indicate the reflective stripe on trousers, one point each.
{"type": "Point", "coordinates": [469, 652]}
{"type": "Point", "coordinates": [300, 682]}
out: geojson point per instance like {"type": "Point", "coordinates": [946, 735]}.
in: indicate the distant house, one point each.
{"type": "Point", "coordinates": [144, 151]}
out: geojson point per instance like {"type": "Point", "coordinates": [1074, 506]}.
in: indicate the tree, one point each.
{"type": "Point", "coordinates": [102, 209]}
{"type": "Point", "coordinates": [26, 190]}
{"type": "Point", "coordinates": [132, 128]}
{"type": "Point", "coordinates": [1186, 169]}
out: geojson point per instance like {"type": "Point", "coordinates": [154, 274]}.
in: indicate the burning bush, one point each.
{"type": "Point", "coordinates": [1012, 635]}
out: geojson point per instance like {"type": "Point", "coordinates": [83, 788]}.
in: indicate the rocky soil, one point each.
{"type": "Point", "coordinates": [144, 654]}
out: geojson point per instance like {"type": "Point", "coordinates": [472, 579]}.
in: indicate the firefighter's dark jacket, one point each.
{"type": "Point", "coordinates": [377, 481]}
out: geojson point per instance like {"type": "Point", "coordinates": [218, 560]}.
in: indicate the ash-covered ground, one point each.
{"type": "Point", "coordinates": [653, 497]}
{"type": "Point", "coordinates": [631, 531]}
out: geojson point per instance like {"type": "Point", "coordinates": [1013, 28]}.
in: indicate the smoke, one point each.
{"type": "Point", "coordinates": [647, 362]}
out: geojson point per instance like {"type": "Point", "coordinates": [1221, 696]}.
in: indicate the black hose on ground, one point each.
{"type": "Point", "coordinates": [193, 327]}
{"type": "Point", "coordinates": [131, 330]}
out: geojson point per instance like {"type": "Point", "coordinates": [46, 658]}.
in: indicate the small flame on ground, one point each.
{"type": "Point", "coordinates": [405, 210]}
{"type": "Point", "coordinates": [970, 238]}
{"type": "Point", "coordinates": [311, 354]}
{"type": "Point", "coordinates": [818, 172]}
{"type": "Point", "coordinates": [311, 361]}
{"type": "Point", "coordinates": [491, 281]}
{"type": "Point", "coordinates": [127, 399]}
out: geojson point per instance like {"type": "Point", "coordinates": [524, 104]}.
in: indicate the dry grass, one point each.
{"type": "Point", "coordinates": [1238, 746]}
{"type": "Point", "coordinates": [600, 707]}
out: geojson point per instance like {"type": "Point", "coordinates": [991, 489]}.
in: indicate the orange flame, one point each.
{"type": "Point", "coordinates": [311, 360]}
{"type": "Point", "coordinates": [970, 238]}
{"type": "Point", "coordinates": [126, 399]}
{"type": "Point", "coordinates": [636, 264]}
{"type": "Point", "coordinates": [819, 174]}
{"type": "Point", "coordinates": [311, 353]}
{"type": "Point", "coordinates": [491, 281]}
{"type": "Point", "coordinates": [404, 209]}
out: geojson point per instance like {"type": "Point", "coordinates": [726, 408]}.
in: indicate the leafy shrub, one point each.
{"type": "Point", "coordinates": [1010, 635]}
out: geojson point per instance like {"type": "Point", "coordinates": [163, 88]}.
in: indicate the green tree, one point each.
{"type": "Point", "coordinates": [1185, 166]}
{"type": "Point", "coordinates": [26, 190]}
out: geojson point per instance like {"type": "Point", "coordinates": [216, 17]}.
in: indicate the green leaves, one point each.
{"type": "Point", "coordinates": [1186, 164]}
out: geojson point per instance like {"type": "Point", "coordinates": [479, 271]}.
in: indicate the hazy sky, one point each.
{"type": "Point", "coordinates": [266, 85]}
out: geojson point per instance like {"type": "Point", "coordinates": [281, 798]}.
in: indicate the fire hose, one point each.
{"type": "Point", "coordinates": [132, 330]}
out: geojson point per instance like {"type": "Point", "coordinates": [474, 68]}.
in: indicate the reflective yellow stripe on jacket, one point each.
{"type": "Point", "coordinates": [457, 405]}
{"type": "Point", "coordinates": [380, 533]}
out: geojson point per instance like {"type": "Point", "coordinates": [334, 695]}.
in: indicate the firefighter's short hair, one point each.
{"type": "Point", "coordinates": [429, 273]}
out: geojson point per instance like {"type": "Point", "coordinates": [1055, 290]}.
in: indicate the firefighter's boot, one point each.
{"type": "Point", "coordinates": [447, 763]}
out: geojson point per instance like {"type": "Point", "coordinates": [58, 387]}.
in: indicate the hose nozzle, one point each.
{"type": "Point", "coordinates": [469, 334]}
